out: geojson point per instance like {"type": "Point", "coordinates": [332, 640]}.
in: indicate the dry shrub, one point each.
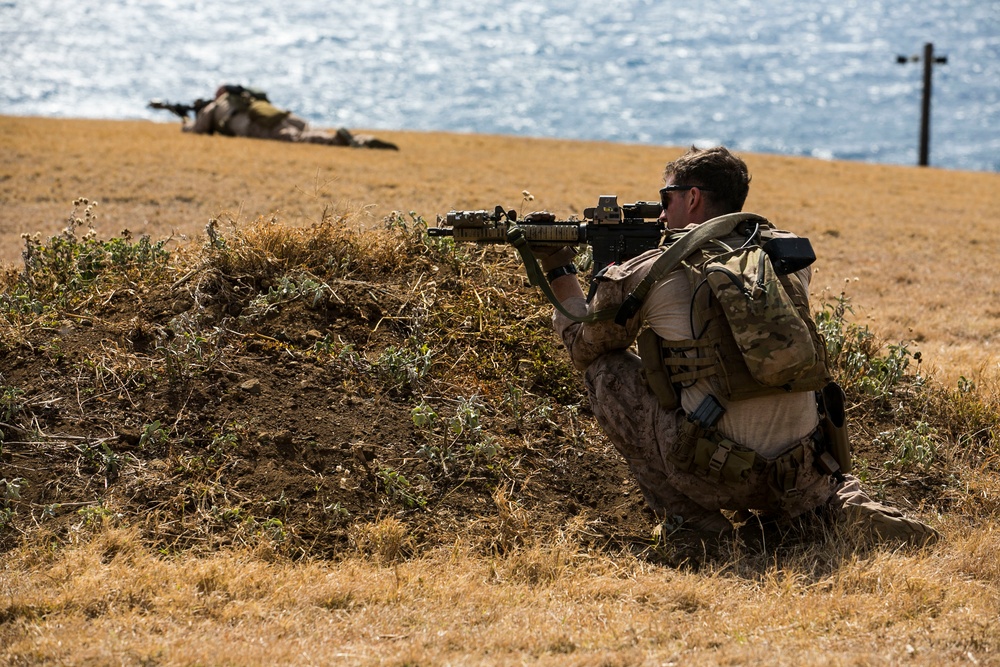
{"type": "Point", "coordinates": [512, 527]}
{"type": "Point", "coordinates": [386, 540]}
{"type": "Point", "coordinates": [267, 247]}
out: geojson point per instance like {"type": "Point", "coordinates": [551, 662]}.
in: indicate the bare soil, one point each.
{"type": "Point", "coordinates": [271, 442]}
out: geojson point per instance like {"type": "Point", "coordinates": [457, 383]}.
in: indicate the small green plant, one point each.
{"type": "Point", "coordinates": [224, 443]}
{"type": "Point", "coordinates": [152, 434]}
{"type": "Point", "coordinates": [64, 271]}
{"type": "Point", "coordinates": [289, 289]}
{"type": "Point", "coordinates": [423, 416]}
{"type": "Point", "coordinates": [274, 529]}
{"type": "Point", "coordinates": [12, 488]}
{"type": "Point", "coordinates": [6, 518]}
{"type": "Point", "coordinates": [965, 385]}
{"type": "Point", "coordinates": [94, 515]}
{"type": "Point", "coordinates": [413, 229]}
{"type": "Point", "coordinates": [336, 510]}
{"type": "Point", "coordinates": [909, 447]}
{"type": "Point", "coordinates": [187, 349]}
{"type": "Point", "coordinates": [399, 488]}
{"type": "Point", "coordinates": [11, 402]}
{"type": "Point", "coordinates": [857, 356]}
{"type": "Point", "coordinates": [102, 457]}
{"type": "Point", "coordinates": [403, 367]}
{"type": "Point", "coordinates": [466, 423]}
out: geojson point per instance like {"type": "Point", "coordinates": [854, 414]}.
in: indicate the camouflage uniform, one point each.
{"type": "Point", "coordinates": [644, 432]}
{"type": "Point", "coordinates": [230, 114]}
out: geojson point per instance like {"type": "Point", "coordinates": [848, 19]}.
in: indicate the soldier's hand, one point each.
{"type": "Point", "coordinates": [552, 258]}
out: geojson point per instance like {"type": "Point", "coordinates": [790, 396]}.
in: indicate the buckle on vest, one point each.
{"type": "Point", "coordinates": [719, 459]}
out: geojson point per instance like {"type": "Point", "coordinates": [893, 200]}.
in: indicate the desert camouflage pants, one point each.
{"type": "Point", "coordinates": [643, 432]}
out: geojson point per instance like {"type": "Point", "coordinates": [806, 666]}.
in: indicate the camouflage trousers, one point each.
{"type": "Point", "coordinates": [643, 432]}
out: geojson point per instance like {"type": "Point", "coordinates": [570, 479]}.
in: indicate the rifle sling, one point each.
{"type": "Point", "coordinates": [664, 264]}
{"type": "Point", "coordinates": [536, 277]}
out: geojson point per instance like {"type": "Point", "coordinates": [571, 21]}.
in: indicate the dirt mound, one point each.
{"type": "Point", "coordinates": [245, 396]}
{"type": "Point", "coordinates": [314, 390]}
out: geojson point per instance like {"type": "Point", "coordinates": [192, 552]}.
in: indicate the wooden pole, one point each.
{"type": "Point", "coordinates": [925, 107]}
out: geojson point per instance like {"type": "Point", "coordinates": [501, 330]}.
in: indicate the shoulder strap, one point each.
{"type": "Point", "coordinates": [677, 253]}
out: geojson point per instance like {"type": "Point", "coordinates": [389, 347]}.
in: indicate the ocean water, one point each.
{"type": "Point", "coordinates": [794, 77]}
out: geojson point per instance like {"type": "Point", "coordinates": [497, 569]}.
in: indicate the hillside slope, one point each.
{"type": "Point", "coordinates": [913, 248]}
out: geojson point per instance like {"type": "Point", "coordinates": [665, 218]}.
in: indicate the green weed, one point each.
{"type": "Point", "coordinates": [153, 434]}
{"type": "Point", "coordinates": [859, 359]}
{"type": "Point", "coordinates": [95, 515]}
{"type": "Point", "coordinates": [399, 488]}
{"type": "Point", "coordinates": [403, 367]}
{"type": "Point", "coordinates": [11, 402]}
{"type": "Point", "coordinates": [68, 270]}
{"type": "Point", "coordinates": [915, 446]}
{"type": "Point", "coordinates": [11, 492]}
{"type": "Point", "coordinates": [302, 287]}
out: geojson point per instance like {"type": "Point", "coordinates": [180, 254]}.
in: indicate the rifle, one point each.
{"type": "Point", "coordinates": [178, 109]}
{"type": "Point", "coordinates": [615, 233]}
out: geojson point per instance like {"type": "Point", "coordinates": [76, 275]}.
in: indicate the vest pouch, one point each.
{"type": "Point", "coordinates": [775, 341]}
{"type": "Point", "coordinates": [719, 459]}
{"type": "Point", "coordinates": [835, 426]}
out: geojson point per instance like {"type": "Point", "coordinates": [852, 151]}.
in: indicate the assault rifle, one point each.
{"type": "Point", "coordinates": [615, 233]}
{"type": "Point", "coordinates": [178, 109]}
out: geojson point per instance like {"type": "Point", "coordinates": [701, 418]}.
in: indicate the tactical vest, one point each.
{"type": "Point", "coordinates": [751, 331]}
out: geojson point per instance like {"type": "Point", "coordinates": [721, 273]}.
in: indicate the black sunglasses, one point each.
{"type": "Point", "coordinates": [676, 188]}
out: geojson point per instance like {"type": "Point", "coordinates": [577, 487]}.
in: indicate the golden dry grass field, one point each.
{"type": "Point", "coordinates": [914, 249]}
{"type": "Point", "coordinates": [169, 558]}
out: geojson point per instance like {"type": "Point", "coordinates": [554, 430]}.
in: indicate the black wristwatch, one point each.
{"type": "Point", "coordinates": [560, 271]}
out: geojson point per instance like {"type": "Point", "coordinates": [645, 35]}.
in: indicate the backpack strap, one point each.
{"type": "Point", "coordinates": [677, 253]}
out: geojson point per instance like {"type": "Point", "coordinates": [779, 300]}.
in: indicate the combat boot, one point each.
{"type": "Point", "coordinates": [887, 524]}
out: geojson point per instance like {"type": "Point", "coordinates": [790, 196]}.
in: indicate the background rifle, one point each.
{"type": "Point", "coordinates": [615, 233]}
{"type": "Point", "coordinates": [178, 109]}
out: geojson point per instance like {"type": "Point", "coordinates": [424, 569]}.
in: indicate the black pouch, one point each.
{"type": "Point", "coordinates": [654, 371]}
{"type": "Point", "coordinates": [835, 425]}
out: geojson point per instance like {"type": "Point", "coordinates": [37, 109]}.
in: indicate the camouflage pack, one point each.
{"type": "Point", "coordinates": [772, 336]}
{"type": "Point", "coordinates": [751, 326]}
{"type": "Point", "coordinates": [266, 114]}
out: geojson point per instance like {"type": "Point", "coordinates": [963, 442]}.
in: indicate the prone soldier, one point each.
{"type": "Point", "coordinates": [247, 112]}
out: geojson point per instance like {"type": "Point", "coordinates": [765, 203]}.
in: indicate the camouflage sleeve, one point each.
{"type": "Point", "coordinates": [585, 342]}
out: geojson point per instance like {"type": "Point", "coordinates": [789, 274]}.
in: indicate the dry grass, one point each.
{"type": "Point", "coordinates": [108, 601]}
{"type": "Point", "coordinates": [909, 236]}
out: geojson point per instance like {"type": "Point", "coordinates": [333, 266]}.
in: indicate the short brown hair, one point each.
{"type": "Point", "coordinates": [722, 174]}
